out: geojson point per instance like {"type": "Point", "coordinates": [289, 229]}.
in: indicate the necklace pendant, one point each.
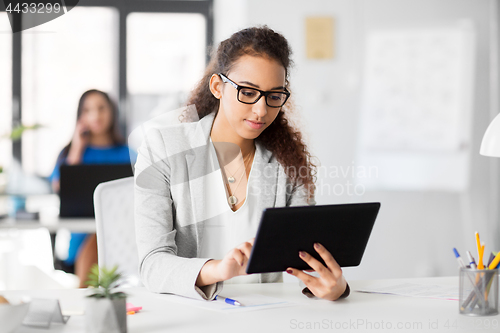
{"type": "Point", "coordinates": [232, 200]}
{"type": "Point", "coordinates": [231, 179]}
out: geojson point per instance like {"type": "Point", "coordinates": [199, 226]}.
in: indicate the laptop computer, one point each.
{"type": "Point", "coordinates": [78, 182]}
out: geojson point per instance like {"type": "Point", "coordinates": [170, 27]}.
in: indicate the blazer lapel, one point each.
{"type": "Point", "coordinates": [201, 150]}
{"type": "Point", "coordinates": [202, 164]}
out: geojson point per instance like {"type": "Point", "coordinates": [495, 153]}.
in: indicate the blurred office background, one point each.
{"type": "Point", "coordinates": [395, 109]}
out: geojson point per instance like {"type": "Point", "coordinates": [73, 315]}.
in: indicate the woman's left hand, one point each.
{"type": "Point", "coordinates": [331, 284]}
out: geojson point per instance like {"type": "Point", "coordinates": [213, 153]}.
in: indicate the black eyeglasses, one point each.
{"type": "Point", "coordinates": [247, 95]}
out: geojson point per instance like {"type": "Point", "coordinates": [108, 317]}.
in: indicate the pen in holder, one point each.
{"type": "Point", "coordinates": [478, 292]}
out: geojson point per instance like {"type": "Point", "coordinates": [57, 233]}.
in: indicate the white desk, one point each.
{"type": "Point", "coordinates": [360, 312]}
{"type": "Point", "coordinates": [48, 207]}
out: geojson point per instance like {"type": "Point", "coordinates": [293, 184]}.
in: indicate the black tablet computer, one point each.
{"type": "Point", "coordinates": [343, 230]}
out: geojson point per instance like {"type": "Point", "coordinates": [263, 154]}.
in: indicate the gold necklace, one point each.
{"type": "Point", "coordinates": [231, 177]}
{"type": "Point", "coordinates": [232, 200]}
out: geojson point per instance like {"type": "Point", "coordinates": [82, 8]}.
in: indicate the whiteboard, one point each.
{"type": "Point", "coordinates": [416, 107]}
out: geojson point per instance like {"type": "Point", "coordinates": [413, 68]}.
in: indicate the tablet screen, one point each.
{"type": "Point", "coordinates": [343, 230]}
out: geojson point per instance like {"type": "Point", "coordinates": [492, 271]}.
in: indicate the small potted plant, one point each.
{"type": "Point", "coordinates": [105, 308]}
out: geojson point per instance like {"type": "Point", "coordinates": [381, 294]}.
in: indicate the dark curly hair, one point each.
{"type": "Point", "coordinates": [284, 141]}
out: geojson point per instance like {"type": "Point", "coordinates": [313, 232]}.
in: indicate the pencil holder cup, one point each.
{"type": "Point", "coordinates": [478, 292]}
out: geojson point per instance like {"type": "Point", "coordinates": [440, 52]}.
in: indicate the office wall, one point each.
{"type": "Point", "coordinates": [416, 230]}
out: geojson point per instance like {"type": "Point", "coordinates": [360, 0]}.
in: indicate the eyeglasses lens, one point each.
{"type": "Point", "coordinates": [250, 96]}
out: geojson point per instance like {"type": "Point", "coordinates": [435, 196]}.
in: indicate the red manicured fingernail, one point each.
{"type": "Point", "coordinates": [289, 271]}
{"type": "Point", "coordinates": [317, 246]}
{"type": "Point", "coordinates": [302, 254]}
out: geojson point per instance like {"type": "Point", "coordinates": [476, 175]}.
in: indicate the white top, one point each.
{"type": "Point", "coordinates": [230, 228]}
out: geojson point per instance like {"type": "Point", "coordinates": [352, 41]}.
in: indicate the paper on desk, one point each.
{"type": "Point", "coordinates": [250, 303]}
{"type": "Point", "coordinates": [413, 290]}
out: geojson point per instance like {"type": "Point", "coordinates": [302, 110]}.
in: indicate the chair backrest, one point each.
{"type": "Point", "coordinates": [114, 214]}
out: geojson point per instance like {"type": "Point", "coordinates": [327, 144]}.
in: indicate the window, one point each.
{"type": "Point", "coordinates": [165, 58]}
{"type": "Point", "coordinates": [5, 90]}
{"type": "Point", "coordinates": [87, 48]}
{"type": "Point", "coordinates": [62, 59]}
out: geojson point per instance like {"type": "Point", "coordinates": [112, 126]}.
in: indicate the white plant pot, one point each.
{"type": "Point", "coordinates": [103, 315]}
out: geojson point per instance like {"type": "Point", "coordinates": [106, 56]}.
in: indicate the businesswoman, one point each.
{"type": "Point", "coordinates": [95, 141]}
{"type": "Point", "coordinates": [200, 187]}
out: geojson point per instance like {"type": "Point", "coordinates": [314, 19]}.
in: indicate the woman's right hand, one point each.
{"type": "Point", "coordinates": [235, 261]}
{"type": "Point", "coordinates": [233, 264]}
{"type": "Point", "coordinates": [79, 142]}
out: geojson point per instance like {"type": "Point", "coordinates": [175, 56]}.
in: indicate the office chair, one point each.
{"type": "Point", "coordinates": [114, 214]}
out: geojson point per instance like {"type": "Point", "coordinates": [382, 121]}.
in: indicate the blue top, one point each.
{"type": "Point", "coordinates": [119, 154]}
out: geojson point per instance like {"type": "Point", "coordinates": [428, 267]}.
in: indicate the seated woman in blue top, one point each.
{"type": "Point", "coordinates": [96, 141]}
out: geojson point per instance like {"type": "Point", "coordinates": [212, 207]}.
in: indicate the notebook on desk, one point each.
{"type": "Point", "coordinates": [78, 182]}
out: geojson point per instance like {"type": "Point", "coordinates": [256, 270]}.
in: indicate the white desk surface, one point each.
{"type": "Point", "coordinates": [48, 208]}
{"type": "Point", "coordinates": [360, 312]}
{"type": "Point", "coordinates": [53, 224]}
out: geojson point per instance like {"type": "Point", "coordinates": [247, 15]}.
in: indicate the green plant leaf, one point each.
{"type": "Point", "coordinates": [95, 269]}
{"type": "Point", "coordinates": [18, 131]}
{"type": "Point", "coordinates": [105, 280]}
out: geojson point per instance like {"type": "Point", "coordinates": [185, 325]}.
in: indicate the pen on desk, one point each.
{"type": "Point", "coordinates": [227, 300]}
{"type": "Point", "coordinates": [472, 262]}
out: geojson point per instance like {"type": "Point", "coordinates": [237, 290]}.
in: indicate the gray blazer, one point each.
{"type": "Point", "coordinates": [172, 204]}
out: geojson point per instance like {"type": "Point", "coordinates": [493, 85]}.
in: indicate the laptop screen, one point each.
{"type": "Point", "coordinates": [78, 182]}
